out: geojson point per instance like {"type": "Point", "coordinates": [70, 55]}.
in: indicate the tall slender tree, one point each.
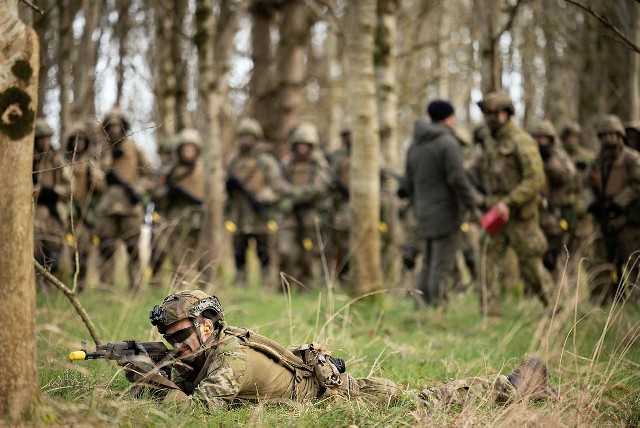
{"type": "Point", "coordinates": [19, 52]}
{"type": "Point", "coordinates": [365, 164]}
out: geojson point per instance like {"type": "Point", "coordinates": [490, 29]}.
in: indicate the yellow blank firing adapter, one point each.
{"type": "Point", "coordinates": [230, 226]}
{"type": "Point", "coordinates": [77, 355]}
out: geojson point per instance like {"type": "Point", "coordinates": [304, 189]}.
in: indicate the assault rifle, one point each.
{"type": "Point", "coordinates": [233, 184]}
{"type": "Point", "coordinates": [179, 193]}
{"type": "Point", "coordinates": [115, 350]}
{"type": "Point", "coordinates": [114, 179]}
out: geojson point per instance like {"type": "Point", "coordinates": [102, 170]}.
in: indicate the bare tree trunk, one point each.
{"type": "Point", "coordinates": [365, 161]}
{"type": "Point", "coordinates": [491, 64]}
{"type": "Point", "coordinates": [122, 29]}
{"type": "Point", "coordinates": [165, 81]}
{"type": "Point", "coordinates": [294, 40]}
{"type": "Point", "coordinates": [260, 91]}
{"type": "Point", "coordinates": [213, 39]}
{"type": "Point", "coordinates": [65, 68]}
{"type": "Point", "coordinates": [84, 91]}
{"type": "Point", "coordinates": [179, 63]}
{"type": "Point", "coordinates": [387, 103]}
{"type": "Point", "coordinates": [444, 51]}
{"type": "Point", "coordinates": [46, 26]}
{"type": "Point", "coordinates": [19, 51]}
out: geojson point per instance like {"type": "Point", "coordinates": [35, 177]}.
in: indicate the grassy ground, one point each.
{"type": "Point", "coordinates": [593, 354]}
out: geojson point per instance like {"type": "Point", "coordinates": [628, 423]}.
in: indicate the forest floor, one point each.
{"type": "Point", "coordinates": [592, 352]}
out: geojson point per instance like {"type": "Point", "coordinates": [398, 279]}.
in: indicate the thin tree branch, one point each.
{"type": "Point", "coordinates": [605, 21]}
{"type": "Point", "coordinates": [73, 298]}
{"type": "Point", "coordinates": [33, 6]}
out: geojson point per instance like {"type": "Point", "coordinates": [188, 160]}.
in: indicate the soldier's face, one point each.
{"type": "Point", "coordinates": [43, 144]}
{"type": "Point", "coordinates": [572, 140]}
{"type": "Point", "coordinates": [184, 345]}
{"type": "Point", "coordinates": [609, 138]}
{"type": "Point", "coordinates": [495, 119]}
{"type": "Point", "coordinates": [188, 153]}
{"type": "Point", "coordinates": [543, 140]}
{"type": "Point", "coordinates": [115, 131]}
{"type": "Point", "coordinates": [302, 150]}
{"type": "Point", "coordinates": [246, 142]}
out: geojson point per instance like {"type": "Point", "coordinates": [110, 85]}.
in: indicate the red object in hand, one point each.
{"type": "Point", "coordinates": [492, 221]}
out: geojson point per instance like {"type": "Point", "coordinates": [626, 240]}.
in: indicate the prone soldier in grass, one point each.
{"type": "Point", "coordinates": [217, 365]}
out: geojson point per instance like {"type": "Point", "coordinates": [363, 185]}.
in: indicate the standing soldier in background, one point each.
{"type": "Point", "coordinates": [632, 131]}
{"type": "Point", "coordinates": [579, 244]}
{"type": "Point", "coordinates": [51, 188]}
{"type": "Point", "coordinates": [87, 183]}
{"type": "Point", "coordinates": [513, 175]}
{"type": "Point", "coordinates": [557, 215]}
{"type": "Point", "coordinates": [615, 182]}
{"type": "Point", "coordinates": [309, 175]}
{"type": "Point", "coordinates": [120, 212]}
{"type": "Point", "coordinates": [180, 195]}
{"type": "Point", "coordinates": [254, 183]}
{"type": "Point", "coordinates": [340, 221]}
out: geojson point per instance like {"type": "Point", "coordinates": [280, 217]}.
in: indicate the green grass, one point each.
{"type": "Point", "coordinates": [593, 355]}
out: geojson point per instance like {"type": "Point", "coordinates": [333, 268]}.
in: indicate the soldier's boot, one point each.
{"type": "Point", "coordinates": [531, 380]}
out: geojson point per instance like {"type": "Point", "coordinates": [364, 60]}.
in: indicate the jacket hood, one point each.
{"type": "Point", "coordinates": [425, 132]}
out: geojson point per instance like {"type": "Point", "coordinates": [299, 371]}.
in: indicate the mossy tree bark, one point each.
{"type": "Point", "coordinates": [19, 50]}
{"type": "Point", "coordinates": [365, 158]}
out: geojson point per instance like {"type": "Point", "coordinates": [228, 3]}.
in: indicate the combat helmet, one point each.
{"type": "Point", "coordinates": [250, 126]}
{"type": "Point", "coordinates": [610, 123]}
{"type": "Point", "coordinates": [188, 136]}
{"type": "Point", "coordinates": [570, 127]}
{"type": "Point", "coordinates": [633, 125]}
{"type": "Point", "coordinates": [115, 116]}
{"type": "Point", "coordinates": [43, 129]}
{"type": "Point", "coordinates": [186, 304]}
{"type": "Point", "coordinates": [305, 132]}
{"type": "Point", "coordinates": [543, 128]}
{"type": "Point", "coordinates": [77, 131]}
{"type": "Point", "coordinates": [497, 101]}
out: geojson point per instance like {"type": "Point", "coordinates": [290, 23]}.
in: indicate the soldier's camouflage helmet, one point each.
{"type": "Point", "coordinates": [188, 136]}
{"type": "Point", "coordinates": [543, 128]}
{"type": "Point", "coordinates": [77, 131]}
{"type": "Point", "coordinates": [115, 116]}
{"type": "Point", "coordinates": [610, 123]}
{"type": "Point", "coordinates": [632, 125]}
{"type": "Point", "coordinates": [250, 126]}
{"type": "Point", "coordinates": [497, 101]}
{"type": "Point", "coordinates": [570, 127]}
{"type": "Point", "coordinates": [43, 129]}
{"type": "Point", "coordinates": [185, 304]}
{"type": "Point", "coordinates": [305, 132]}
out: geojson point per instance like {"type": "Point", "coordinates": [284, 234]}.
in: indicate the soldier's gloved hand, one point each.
{"type": "Point", "coordinates": [117, 152]}
{"type": "Point", "coordinates": [137, 366]}
{"type": "Point", "coordinates": [47, 195]}
{"type": "Point", "coordinates": [595, 208]}
{"type": "Point", "coordinates": [581, 165]}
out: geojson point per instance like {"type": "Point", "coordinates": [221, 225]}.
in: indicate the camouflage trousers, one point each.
{"type": "Point", "coordinates": [374, 390]}
{"type": "Point", "coordinates": [458, 392]}
{"type": "Point", "coordinates": [528, 241]}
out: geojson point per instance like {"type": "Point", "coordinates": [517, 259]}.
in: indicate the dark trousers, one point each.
{"type": "Point", "coordinates": [438, 268]}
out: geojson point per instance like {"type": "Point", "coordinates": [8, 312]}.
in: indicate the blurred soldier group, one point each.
{"type": "Point", "coordinates": [551, 195]}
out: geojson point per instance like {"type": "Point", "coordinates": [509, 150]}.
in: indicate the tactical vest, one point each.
{"type": "Point", "coordinates": [126, 166]}
{"type": "Point", "coordinates": [247, 169]}
{"type": "Point", "coordinates": [81, 180]}
{"type": "Point", "coordinates": [47, 170]}
{"type": "Point", "coordinates": [190, 179]}
{"type": "Point", "coordinates": [301, 173]}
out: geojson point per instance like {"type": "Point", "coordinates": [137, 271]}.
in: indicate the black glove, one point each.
{"type": "Point", "coordinates": [117, 152]}
{"type": "Point", "coordinates": [137, 366]}
{"type": "Point", "coordinates": [595, 208]}
{"type": "Point", "coordinates": [581, 165]}
{"type": "Point", "coordinates": [232, 184]}
{"type": "Point", "coordinates": [403, 192]}
{"type": "Point", "coordinates": [111, 178]}
{"type": "Point", "coordinates": [47, 196]}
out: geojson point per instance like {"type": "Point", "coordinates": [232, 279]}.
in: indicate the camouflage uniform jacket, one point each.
{"type": "Point", "coordinates": [51, 172]}
{"type": "Point", "coordinates": [622, 186]}
{"type": "Point", "coordinates": [261, 176]}
{"type": "Point", "coordinates": [341, 166]}
{"type": "Point", "coordinates": [561, 178]}
{"type": "Point", "coordinates": [133, 168]}
{"type": "Point", "coordinates": [239, 373]}
{"type": "Point", "coordinates": [310, 181]}
{"type": "Point", "coordinates": [512, 171]}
